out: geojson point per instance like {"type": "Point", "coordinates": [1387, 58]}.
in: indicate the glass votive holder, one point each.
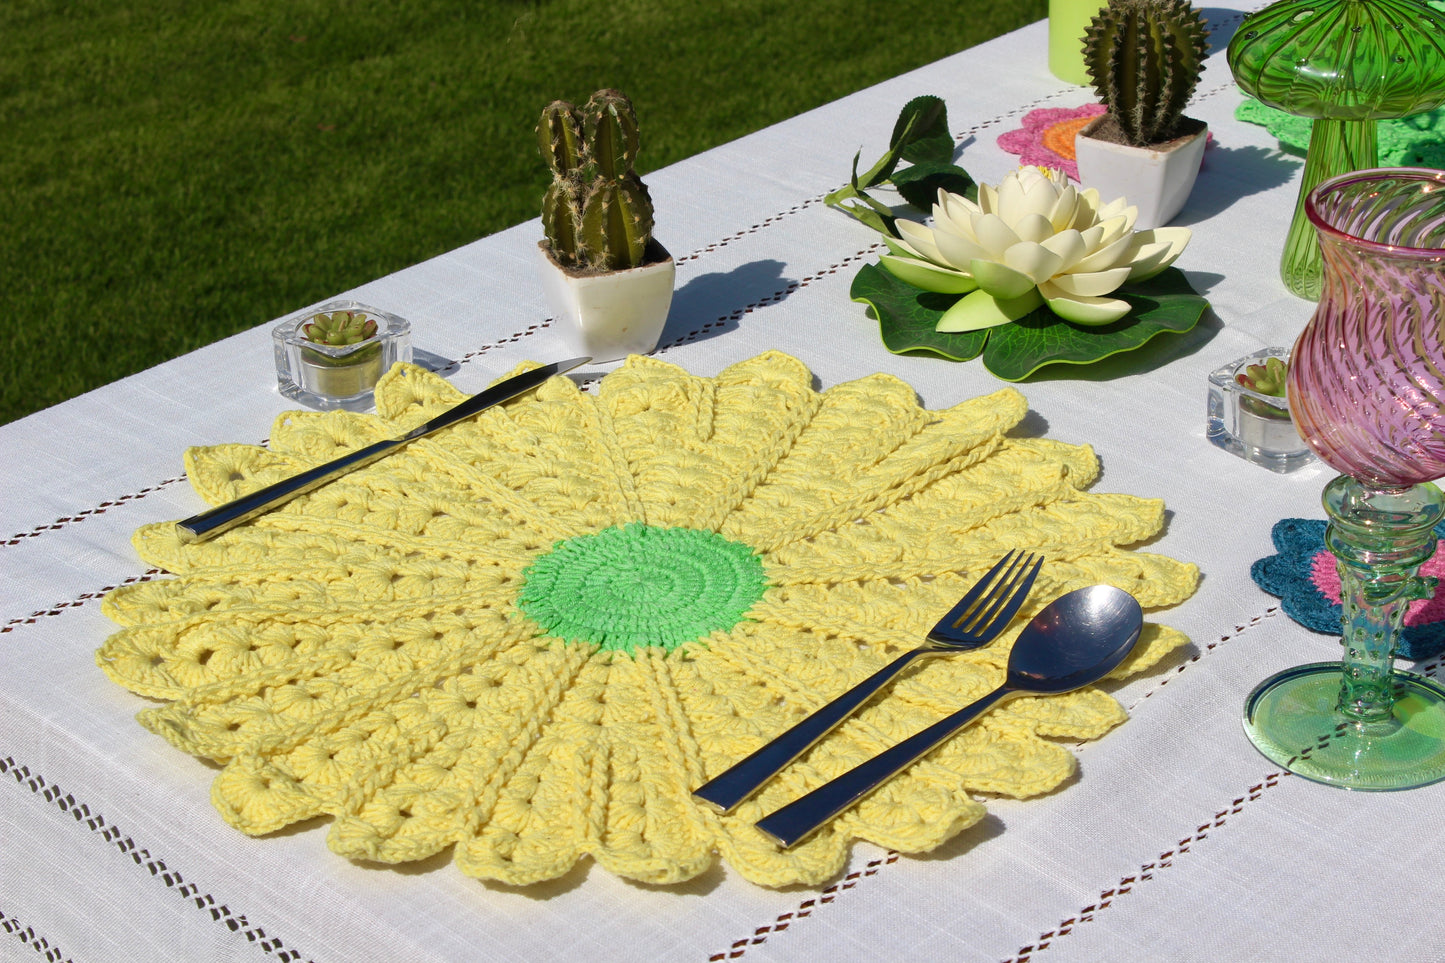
{"type": "Point", "coordinates": [325, 376]}
{"type": "Point", "coordinates": [1254, 426]}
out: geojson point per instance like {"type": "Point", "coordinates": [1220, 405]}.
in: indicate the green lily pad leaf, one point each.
{"type": "Point", "coordinates": [919, 184]}
{"type": "Point", "coordinates": [907, 316]}
{"type": "Point", "coordinates": [1165, 302]}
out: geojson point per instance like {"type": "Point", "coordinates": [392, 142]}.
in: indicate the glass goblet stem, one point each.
{"type": "Point", "coordinates": [1380, 538]}
{"type": "Point", "coordinates": [1336, 147]}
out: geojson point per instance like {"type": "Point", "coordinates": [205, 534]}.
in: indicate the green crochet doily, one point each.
{"type": "Point", "coordinates": [1417, 141]}
{"type": "Point", "coordinates": [636, 585]}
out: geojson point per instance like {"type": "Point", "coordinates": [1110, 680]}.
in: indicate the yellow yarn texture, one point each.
{"type": "Point", "coordinates": [366, 652]}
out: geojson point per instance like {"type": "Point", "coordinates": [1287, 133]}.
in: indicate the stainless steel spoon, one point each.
{"type": "Point", "coordinates": [1077, 639]}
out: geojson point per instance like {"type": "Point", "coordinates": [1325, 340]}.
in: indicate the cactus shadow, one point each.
{"type": "Point", "coordinates": [714, 304]}
{"type": "Point", "coordinates": [1223, 23]}
{"type": "Point", "coordinates": [1230, 174]}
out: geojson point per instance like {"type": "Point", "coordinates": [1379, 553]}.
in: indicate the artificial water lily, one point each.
{"type": "Point", "coordinates": [1032, 240]}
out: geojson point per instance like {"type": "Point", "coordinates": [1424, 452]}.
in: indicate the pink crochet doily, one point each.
{"type": "Point", "coordinates": [1047, 136]}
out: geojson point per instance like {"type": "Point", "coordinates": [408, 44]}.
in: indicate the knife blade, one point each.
{"type": "Point", "coordinates": [225, 517]}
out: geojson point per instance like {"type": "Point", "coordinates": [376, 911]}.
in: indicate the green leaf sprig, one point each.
{"type": "Point", "coordinates": [922, 138]}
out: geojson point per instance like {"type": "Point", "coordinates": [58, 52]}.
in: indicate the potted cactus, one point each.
{"type": "Point", "coordinates": [608, 281]}
{"type": "Point", "coordinates": [332, 357]}
{"type": "Point", "coordinates": [1144, 58]}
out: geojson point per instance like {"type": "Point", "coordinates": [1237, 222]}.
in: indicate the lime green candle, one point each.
{"type": "Point", "coordinates": [1068, 20]}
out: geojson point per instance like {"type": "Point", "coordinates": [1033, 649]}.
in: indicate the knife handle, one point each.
{"type": "Point", "coordinates": [225, 517]}
{"type": "Point", "coordinates": [200, 527]}
{"type": "Point", "coordinates": [802, 817]}
{"type": "Point", "coordinates": [726, 790]}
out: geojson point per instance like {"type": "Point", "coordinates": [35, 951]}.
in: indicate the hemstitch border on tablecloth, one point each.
{"type": "Point", "coordinates": [59, 607]}
{"type": "Point", "coordinates": [81, 516]}
{"type": "Point", "coordinates": [156, 867]}
{"type": "Point", "coordinates": [1146, 871]}
{"type": "Point", "coordinates": [27, 935]}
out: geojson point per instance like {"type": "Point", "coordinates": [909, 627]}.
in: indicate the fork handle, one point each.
{"type": "Point", "coordinates": [799, 818]}
{"type": "Point", "coordinates": [726, 790]}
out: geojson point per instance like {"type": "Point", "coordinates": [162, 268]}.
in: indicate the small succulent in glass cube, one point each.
{"type": "Point", "coordinates": [1249, 414]}
{"type": "Point", "coordinates": [333, 357]}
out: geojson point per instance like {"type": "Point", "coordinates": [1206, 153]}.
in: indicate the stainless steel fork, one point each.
{"type": "Point", "coordinates": [975, 621]}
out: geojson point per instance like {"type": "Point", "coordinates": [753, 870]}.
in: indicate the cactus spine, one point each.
{"type": "Point", "coordinates": [596, 214]}
{"type": "Point", "coordinates": [1144, 58]}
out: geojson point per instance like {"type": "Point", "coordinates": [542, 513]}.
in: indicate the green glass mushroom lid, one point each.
{"type": "Point", "coordinates": [1343, 59]}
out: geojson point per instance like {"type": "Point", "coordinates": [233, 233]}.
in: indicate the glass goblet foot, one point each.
{"type": "Point", "coordinates": [1292, 717]}
{"type": "Point", "coordinates": [1360, 723]}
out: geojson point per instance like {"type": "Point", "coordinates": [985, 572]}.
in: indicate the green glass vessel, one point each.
{"type": "Point", "coordinates": [1346, 64]}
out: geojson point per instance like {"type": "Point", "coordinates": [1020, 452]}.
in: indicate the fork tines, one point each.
{"type": "Point", "coordinates": [992, 602]}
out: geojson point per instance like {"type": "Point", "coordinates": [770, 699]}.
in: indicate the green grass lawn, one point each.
{"type": "Point", "coordinates": [180, 170]}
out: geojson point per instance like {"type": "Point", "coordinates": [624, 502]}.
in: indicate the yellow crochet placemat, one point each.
{"type": "Point", "coordinates": [529, 636]}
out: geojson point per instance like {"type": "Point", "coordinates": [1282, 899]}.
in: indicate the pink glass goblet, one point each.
{"type": "Point", "coordinates": [1367, 393]}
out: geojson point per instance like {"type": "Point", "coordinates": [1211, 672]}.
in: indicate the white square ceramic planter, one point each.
{"type": "Point", "coordinates": [1156, 180]}
{"type": "Point", "coordinates": [608, 316]}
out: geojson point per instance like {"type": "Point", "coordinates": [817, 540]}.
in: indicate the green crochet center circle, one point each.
{"type": "Point", "coordinates": [638, 585]}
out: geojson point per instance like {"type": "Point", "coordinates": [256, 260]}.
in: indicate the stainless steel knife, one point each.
{"type": "Point", "coordinates": [225, 517]}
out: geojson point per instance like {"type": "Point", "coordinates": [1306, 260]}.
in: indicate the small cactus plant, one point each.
{"type": "Point", "coordinates": [1144, 58]}
{"type": "Point", "coordinates": [596, 214]}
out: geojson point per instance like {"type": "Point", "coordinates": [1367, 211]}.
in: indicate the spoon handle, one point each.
{"type": "Point", "coordinates": [727, 789]}
{"type": "Point", "coordinates": [797, 820]}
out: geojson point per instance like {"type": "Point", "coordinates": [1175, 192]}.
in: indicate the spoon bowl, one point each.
{"type": "Point", "coordinates": [1077, 639]}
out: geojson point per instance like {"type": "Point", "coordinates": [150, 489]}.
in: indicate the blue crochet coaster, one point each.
{"type": "Point", "coordinates": [1302, 576]}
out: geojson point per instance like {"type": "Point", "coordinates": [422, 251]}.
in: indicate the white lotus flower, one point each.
{"type": "Point", "coordinates": [1031, 240]}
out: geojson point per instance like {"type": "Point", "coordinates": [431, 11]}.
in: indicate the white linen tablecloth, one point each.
{"type": "Point", "coordinates": [1176, 841]}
